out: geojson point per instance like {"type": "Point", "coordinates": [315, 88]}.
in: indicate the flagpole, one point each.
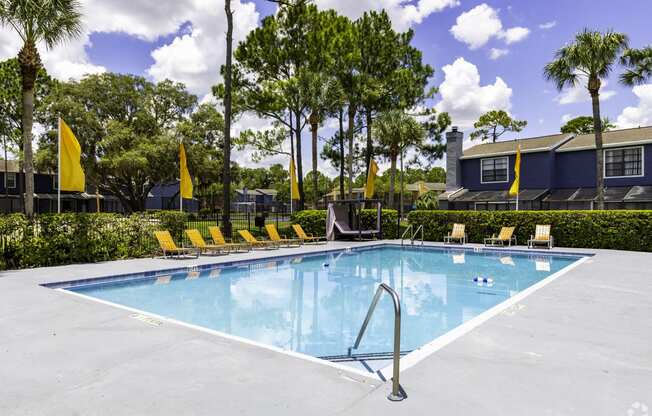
{"type": "Point", "coordinates": [180, 179]}
{"type": "Point", "coordinates": [518, 191]}
{"type": "Point", "coordinates": [59, 167]}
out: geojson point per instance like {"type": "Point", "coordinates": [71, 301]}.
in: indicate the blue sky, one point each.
{"type": "Point", "coordinates": [183, 40]}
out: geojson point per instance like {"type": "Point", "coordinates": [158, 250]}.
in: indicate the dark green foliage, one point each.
{"type": "Point", "coordinates": [493, 124]}
{"type": "Point", "coordinates": [173, 221]}
{"type": "Point", "coordinates": [314, 221]}
{"type": "Point", "coordinates": [639, 66]}
{"type": "Point", "coordinates": [613, 229]}
{"type": "Point", "coordinates": [429, 200]}
{"type": "Point", "coordinates": [56, 239]}
{"type": "Point", "coordinates": [389, 221]}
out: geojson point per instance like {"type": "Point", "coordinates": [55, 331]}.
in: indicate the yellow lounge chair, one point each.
{"type": "Point", "coordinates": [273, 234]}
{"type": "Point", "coordinates": [457, 234]}
{"type": "Point", "coordinates": [306, 238]}
{"type": "Point", "coordinates": [541, 236]}
{"type": "Point", "coordinates": [246, 235]}
{"type": "Point", "coordinates": [218, 239]}
{"type": "Point", "coordinates": [506, 235]}
{"type": "Point", "coordinates": [198, 242]}
{"type": "Point", "coordinates": [168, 246]}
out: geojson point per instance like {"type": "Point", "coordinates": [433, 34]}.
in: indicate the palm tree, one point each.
{"type": "Point", "coordinates": [639, 66]}
{"type": "Point", "coordinates": [51, 22]}
{"type": "Point", "coordinates": [397, 131]}
{"type": "Point", "coordinates": [591, 56]}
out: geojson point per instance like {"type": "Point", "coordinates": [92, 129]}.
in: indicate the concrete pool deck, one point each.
{"type": "Point", "coordinates": [580, 345]}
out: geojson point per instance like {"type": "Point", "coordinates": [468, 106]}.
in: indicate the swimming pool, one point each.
{"type": "Point", "coordinates": [314, 304]}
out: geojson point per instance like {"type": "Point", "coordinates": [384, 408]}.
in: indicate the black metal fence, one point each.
{"type": "Point", "coordinates": [254, 222]}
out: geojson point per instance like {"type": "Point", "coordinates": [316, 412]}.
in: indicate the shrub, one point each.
{"type": "Point", "coordinates": [429, 200]}
{"type": "Point", "coordinates": [173, 221]}
{"type": "Point", "coordinates": [612, 229]}
{"type": "Point", "coordinates": [314, 221]}
{"type": "Point", "coordinates": [55, 239]}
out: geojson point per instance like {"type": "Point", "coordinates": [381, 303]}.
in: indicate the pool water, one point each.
{"type": "Point", "coordinates": [315, 304]}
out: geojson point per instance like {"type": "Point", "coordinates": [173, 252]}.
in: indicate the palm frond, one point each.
{"type": "Point", "coordinates": [50, 21]}
{"type": "Point", "coordinates": [639, 66]}
{"type": "Point", "coordinates": [592, 54]}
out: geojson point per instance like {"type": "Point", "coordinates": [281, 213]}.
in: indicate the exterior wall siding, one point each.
{"type": "Point", "coordinates": [537, 172]}
{"type": "Point", "coordinates": [12, 191]}
{"type": "Point", "coordinates": [554, 170]}
{"type": "Point", "coordinates": [577, 170]}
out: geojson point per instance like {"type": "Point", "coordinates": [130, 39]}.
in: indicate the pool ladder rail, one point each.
{"type": "Point", "coordinates": [397, 393]}
{"type": "Point", "coordinates": [412, 235]}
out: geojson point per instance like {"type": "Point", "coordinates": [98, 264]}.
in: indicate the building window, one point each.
{"type": "Point", "coordinates": [623, 162]}
{"type": "Point", "coordinates": [10, 180]}
{"type": "Point", "coordinates": [55, 182]}
{"type": "Point", "coordinates": [494, 170]}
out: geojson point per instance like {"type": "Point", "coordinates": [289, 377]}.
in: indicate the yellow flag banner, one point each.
{"type": "Point", "coordinates": [371, 180]}
{"type": "Point", "coordinates": [186, 180]}
{"type": "Point", "coordinates": [423, 189]}
{"type": "Point", "coordinates": [514, 189]}
{"type": "Point", "coordinates": [71, 174]}
{"type": "Point", "coordinates": [294, 185]}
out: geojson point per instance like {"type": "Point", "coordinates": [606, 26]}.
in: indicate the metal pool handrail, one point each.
{"type": "Point", "coordinates": [407, 230]}
{"type": "Point", "coordinates": [412, 235]}
{"type": "Point", "coordinates": [396, 394]}
{"type": "Point", "coordinates": [420, 228]}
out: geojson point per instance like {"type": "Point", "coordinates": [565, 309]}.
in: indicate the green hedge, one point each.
{"type": "Point", "coordinates": [314, 221]}
{"type": "Point", "coordinates": [612, 229]}
{"type": "Point", "coordinates": [56, 239]}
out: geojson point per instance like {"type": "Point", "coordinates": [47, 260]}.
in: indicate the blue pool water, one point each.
{"type": "Point", "coordinates": [315, 304]}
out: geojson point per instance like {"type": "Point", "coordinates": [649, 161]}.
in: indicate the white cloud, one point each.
{"type": "Point", "coordinates": [195, 57]}
{"type": "Point", "coordinates": [496, 53]}
{"type": "Point", "coordinates": [404, 13]}
{"type": "Point", "coordinates": [70, 60]}
{"type": "Point", "coordinates": [465, 99]}
{"type": "Point", "coordinates": [548, 25]}
{"type": "Point", "coordinates": [479, 25]}
{"type": "Point", "coordinates": [578, 93]}
{"type": "Point", "coordinates": [142, 18]}
{"type": "Point", "coordinates": [566, 118]}
{"type": "Point", "coordinates": [476, 26]}
{"type": "Point", "coordinates": [10, 42]}
{"type": "Point", "coordinates": [641, 114]}
{"type": "Point", "coordinates": [514, 34]}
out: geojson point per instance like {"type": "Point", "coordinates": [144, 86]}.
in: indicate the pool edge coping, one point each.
{"type": "Point", "coordinates": [426, 350]}
{"type": "Point", "coordinates": [383, 374]}
{"type": "Point", "coordinates": [213, 332]}
{"type": "Point", "coordinates": [68, 284]}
